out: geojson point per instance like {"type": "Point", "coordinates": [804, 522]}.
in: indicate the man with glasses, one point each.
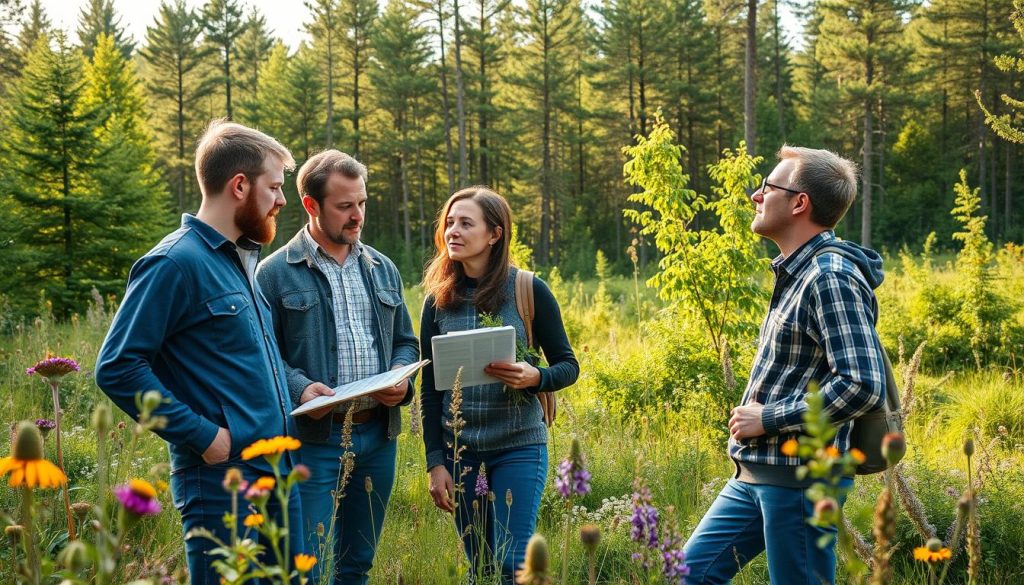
{"type": "Point", "coordinates": [819, 328]}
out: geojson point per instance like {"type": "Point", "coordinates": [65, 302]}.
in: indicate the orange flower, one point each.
{"type": "Point", "coordinates": [858, 455]}
{"type": "Point", "coordinates": [832, 452]}
{"type": "Point", "coordinates": [265, 483]}
{"type": "Point", "coordinates": [254, 520]}
{"type": "Point", "coordinates": [303, 563]}
{"type": "Point", "coordinates": [32, 473]}
{"type": "Point", "coordinates": [270, 447]}
{"type": "Point", "coordinates": [925, 554]}
{"type": "Point", "coordinates": [161, 485]}
{"type": "Point", "coordinates": [790, 448]}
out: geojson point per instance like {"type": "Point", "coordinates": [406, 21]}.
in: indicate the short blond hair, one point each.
{"type": "Point", "coordinates": [227, 149]}
{"type": "Point", "coordinates": [828, 179]}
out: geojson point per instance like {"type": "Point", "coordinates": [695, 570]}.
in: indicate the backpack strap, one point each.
{"type": "Point", "coordinates": [524, 302]}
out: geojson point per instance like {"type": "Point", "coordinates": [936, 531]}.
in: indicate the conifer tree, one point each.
{"type": "Point", "coordinates": [173, 58]}
{"type": "Point", "coordinates": [253, 51]}
{"type": "Point", "coordinates": [35, 25]}
{"type": "Point", "coordinates": [325, 28]}
{"type": "Point", "coordinates": [223, 25]}
{"type": "Point", "coordinates": [356, 18]}
{"type": "Point", "coordinates": [96, 18]}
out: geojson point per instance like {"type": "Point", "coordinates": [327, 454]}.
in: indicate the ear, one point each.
{"type": "Point", "coordinates": [238, 185]}
{"type": "Point", "coordinates": [803, 204]}
{"type": "Point", "coordinates": [497, 235]}
{"type": "Point", "coordinates": [311, 206]}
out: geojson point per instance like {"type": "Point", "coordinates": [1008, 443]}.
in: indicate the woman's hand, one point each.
{"type": "Point", "coordinates": [518, 375]}
{"type": "Point", "coordinates": [442, 489]}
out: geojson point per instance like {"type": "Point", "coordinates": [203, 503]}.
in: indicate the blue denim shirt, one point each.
{"type": "Point", "coordinates": [304, 324]}
{"type": "Point", "coordinates": [192, 327]}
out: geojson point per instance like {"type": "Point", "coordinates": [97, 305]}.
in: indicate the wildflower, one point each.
{"type": "Point", "coordinates": [45, 425]}
{"type": "Point", "coordinates": [790, 448]}
{"type": "Point", "coordinates": [969, 447]}
{"type": "Point", "coordinates": [304, 563]}
{"type": "Point", "coordinates": [481, 482]}
{"type": "Point", "coordinates": [832, 452]}
{"type": "Point", "coordinates": [535, 566]}
{"type": "Point", "coordinates": [673, 564]}
{"type": "Point", "coordinates": [102, 418]}
{"type": "Point", "coordinates": [265, 483]}
{"type": "Point", "coordinates": [300, 473]}
{"type": "Point", "coordinates": [14, 532]}
{"type": "Point", "coordinates": [26, 464]}
{"type": "Point", "coordinates": [161, 486]}
{"type": "Point", "coordinates": [826, 510]}
{"type": "Point", "coordinates": [858, 456]}
{"type": "Point", "coordinates": [368, 484]}
{"type": "Point", "coordinates": [257, 495]}
{"type": "Point", "coordinates": [270, 447]}
{"type": "Point", "coordinates": [81, 510]}
{"type": "Point", "coordinates": [573, 478]}
{"type": "Point", "coordinates": [253, 520]}
{"type": "Point", "coordinates": [932, 552]}
{"type": "Point", "coordinates": [645, 517]}
{"type": "Point", "coordinates": [233, 481]}
{"type": "Point", "coordinates": [53, 368]}
{"type": "Point", "coordinates": [590, 536]}
{"type": "Point", "coordinates": [508, 497]}
{"type": "Point", "coordinates": [894, 446]}
{"type": "Point", "coordinates": [138, 497]}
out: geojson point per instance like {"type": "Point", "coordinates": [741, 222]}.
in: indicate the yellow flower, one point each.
{"type": "Point", "coordinates": [264, 483]}
{"type": "Point", "coordinates": [26, 464]}
{"type": "Point", "coordinates": [161, 485]}
{"type": "Point", "coordinates": [254, 520]}
{"type": "Point", "coordinates": [142, 488]}
{"type": "Point", "coordinates": [790, 448]}
{"type": "Point", "coordinates": [858, 455]}
{"type": "Point", "coordinates": [303, 563]}
{"type": "Point", "coordinates": [832, 452]}
{"type": "Point", "coordinates": [270, 447]}
{"type": "Point", "coordinates": [923, 553]}
{"type": "Point", "coordinates": [32, 473]}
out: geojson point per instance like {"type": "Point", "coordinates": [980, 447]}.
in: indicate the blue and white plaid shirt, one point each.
{"type": "Point", "coordinates": [353, 318]}
{"type": "Point", "coordinates": [820, 327]}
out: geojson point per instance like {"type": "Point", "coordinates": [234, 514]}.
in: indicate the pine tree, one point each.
{"type": "Point", "coordinates": [486, 41]}
{"type": "Point", "coordinates": [35, 25]}
{"type": "Point", "coordinates": [126, 194]}
{"type": "Point", "coordinates": [325, 28]}
{"type": "Point", "coordinates": [223, 24]}
{"type": "Point", "coordinates": [173, 58]}
{"type": "Point", "coordinates": [254, 48]}
{"type": "Point", "coordinates": [356, 18]}
{"type": "Point", "coordinates": [10, 63]}
{"type": "Point", "coordinates": [99, 17]}
{"type": "Point", "coordinates": [49, 148]}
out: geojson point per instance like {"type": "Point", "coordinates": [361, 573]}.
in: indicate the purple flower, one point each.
{"type": "Point", "coordinates": [53, 368]}
{"type": "Point", "coordinates": [645, 517]}
{"type": "Point", "coordinates": [572, 478]}
{"type": "Point", "coordinates": [673, 560]}
{"type": "Point", "coordinates": [45, 425]}
{"type": "Point", "coordinates": [138, 497]}
{"type": "Point", "coordinates": [481, 482]}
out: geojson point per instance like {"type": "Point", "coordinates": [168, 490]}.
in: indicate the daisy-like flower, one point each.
{"type": "Point", "coordinates": [304, 563]}
{"type": "Point", "coordinates": [138, 497]}
{"type": "Point", "coordinates": [254, 520]}
{"type": "Point", "coordinates": [53, 368]}
{"type": "Point", "coordinates": [26, 464]}
{"type": "Point", "coordinates": [265, 483]}
{"type": "Point", "coordinates": [932, 552]}
{"type": "Point", "coordinates": [790, 448]}
{"type": "Point", "coordinates": [270, 447]}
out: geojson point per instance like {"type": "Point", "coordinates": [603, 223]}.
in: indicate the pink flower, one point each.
{"type": "Point", "coordinates": [138, 497]}
{"type": "Point", "coordinates": [53, 368]}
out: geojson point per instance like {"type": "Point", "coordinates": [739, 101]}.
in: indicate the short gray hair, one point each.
{"type": "Point", "coordinates": [828, 179]}
{"type": "Point", "coordinates": [313, 176]}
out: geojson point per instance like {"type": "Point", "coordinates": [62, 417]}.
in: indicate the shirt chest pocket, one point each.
{"type": "Point", "coordinates": [301, 314]}
{"type": "Point", "coordinates": [231, 319]}
{"type": "Point", "coordinates": [388, 299]}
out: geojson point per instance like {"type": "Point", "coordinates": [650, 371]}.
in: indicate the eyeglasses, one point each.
{"type": "Point", "coordinates": [765, 183]}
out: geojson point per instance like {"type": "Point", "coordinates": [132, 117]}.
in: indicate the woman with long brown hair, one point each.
{"type": "Point", "coordinates": [502, 461]}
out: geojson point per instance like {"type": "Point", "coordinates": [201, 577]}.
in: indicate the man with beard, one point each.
{"type": "Point", "coordinates": [194, 326]}
{"type": "Point", "coordinates": [339, 317]}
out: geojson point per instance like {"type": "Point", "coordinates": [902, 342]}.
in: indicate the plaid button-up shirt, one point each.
{"type": "Point", "coordinates": [353, 318]}
{"type": "Point", "coordinates": [820, 328]}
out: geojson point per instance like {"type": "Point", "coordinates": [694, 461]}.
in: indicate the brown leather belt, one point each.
{"type": "Point", "coordinates": [363, 416]}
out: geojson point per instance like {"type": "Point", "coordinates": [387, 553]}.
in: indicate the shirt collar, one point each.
{"type": "Point", "coordinates": [796, 261]}
{"type": "Point", "coordinates": [211, 236]}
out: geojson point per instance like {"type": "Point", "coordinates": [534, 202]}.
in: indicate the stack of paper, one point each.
{"type": "Point", "coordinates": [361, 388]}
{"type": "Point", "coordinates": [471, 350]}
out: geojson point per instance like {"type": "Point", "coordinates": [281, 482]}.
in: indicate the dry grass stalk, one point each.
{"type": "Point", "coordinates": [909, 380]}
{"type": "Point", "coordinates": [884, 531]}
{"type": "Point", "coordinates": [912, 505]}
{"type": "Point", "coordinates": [860, 545]}
{"type": "Point", "coordinates": [727, 372]}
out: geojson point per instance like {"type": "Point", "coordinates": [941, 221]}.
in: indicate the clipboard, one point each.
{"type": "Point", "coordinates": [360, 388]}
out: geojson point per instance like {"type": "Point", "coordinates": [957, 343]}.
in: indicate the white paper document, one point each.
{"type": "Point", "coordinates": [361, 387]}
{"type": "Point", "coordinates": [471, 350]}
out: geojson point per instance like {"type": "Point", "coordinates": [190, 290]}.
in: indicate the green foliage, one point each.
{"type": "Point", "coordinates": [1005, 124]}
{"type": "Point", "coordinates": [711, 273]}
{"type": "Point", "coordinates": [520, 254]}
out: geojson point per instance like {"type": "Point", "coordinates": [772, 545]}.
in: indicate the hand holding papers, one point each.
{"type": "Point", "coordinates": [471, 350]}
{"type": "Point", "coordinates": [360, 388]}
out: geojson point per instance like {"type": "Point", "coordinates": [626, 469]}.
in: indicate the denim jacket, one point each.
{"type": "Point", "coordinates": [192, 327]}
{"type": "Point", "coordinates": [299, 296]}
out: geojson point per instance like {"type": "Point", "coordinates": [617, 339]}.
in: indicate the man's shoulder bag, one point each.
{"type": "Point", "coordinates": [869, 428]}
{"type": "Point", "coordinates": [524, 304]}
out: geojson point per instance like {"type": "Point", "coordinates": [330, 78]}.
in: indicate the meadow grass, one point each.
{"type": "Point", "coordinates": [678, 451]}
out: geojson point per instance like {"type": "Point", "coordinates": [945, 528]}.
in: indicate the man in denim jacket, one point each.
{"type": "Point", "coordinates": [339, 316]}
{"type": "Point", "coordinates": [194, 325]}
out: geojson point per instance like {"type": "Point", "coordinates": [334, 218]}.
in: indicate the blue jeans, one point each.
{"type": "Point", "coordinates": [746, 520]}
{"type": "Point", "coordinates": [502, 530]}
{"type": "Point", "coordinates": [201, 499]}
{"type": "Point", "coordinates": [360, 515]}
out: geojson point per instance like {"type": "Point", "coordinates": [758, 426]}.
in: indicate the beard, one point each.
{"type": "Point", "coordinates": [254, 224]}
{"type": "Point", "coordinates": [341, 237]}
